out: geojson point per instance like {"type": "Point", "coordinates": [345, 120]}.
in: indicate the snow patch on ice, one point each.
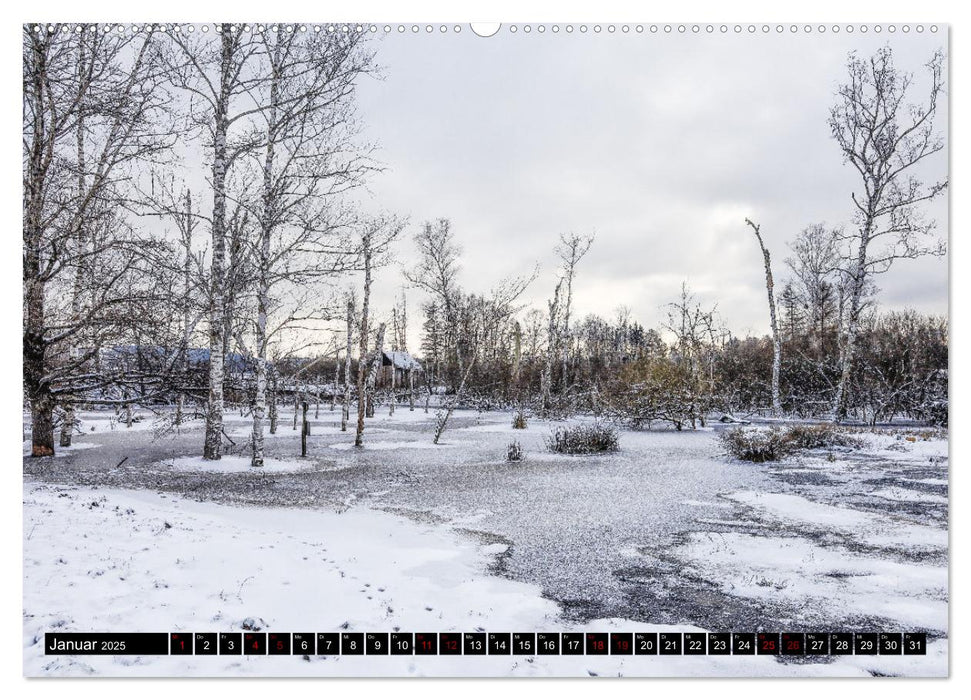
{"type": "Point", "coordinates": [798, 572]}
{"type": "Point", "coordinates": [234, 463]}
{"type": "Point", "coordinates": [895, 493]}
{"type": "Point", "coordinates": [868, 528]}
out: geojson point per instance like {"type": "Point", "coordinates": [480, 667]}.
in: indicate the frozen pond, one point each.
{"type": "Point", "coordinates": [666, 531]}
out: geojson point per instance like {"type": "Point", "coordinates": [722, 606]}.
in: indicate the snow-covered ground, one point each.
{"type": "Point", "coordinates": [111, 560]}
{"type": "Point", "coordinates": [665, 534]}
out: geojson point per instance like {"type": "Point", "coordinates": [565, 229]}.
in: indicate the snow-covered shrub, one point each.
{"type": "Point", "coordinates": [583, 439]}
{"type": "Point", "coordinates": [514, 452]}
{"type": "Point", "coordinates": [756, 445]}
{"type": "Point", "coordinates": [519, 420]}
{"type": "Point", "coordinates": [814, 437]}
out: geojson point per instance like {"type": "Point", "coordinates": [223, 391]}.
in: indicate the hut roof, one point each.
{"type": "Point", "coordinates": [400, 360]}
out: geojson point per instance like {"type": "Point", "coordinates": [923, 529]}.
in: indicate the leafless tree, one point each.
{"type": "Point", "coordinates": [815, 263]}
{"type": "Point", "coordinates": [461, 322]}
{"type": "Point", "coordinates": [346, 409]}
{"type": "Point", "coordinates": [884, 137]}
{"type": "Point", "coordinates": [308, 158]}
{"type": "Point", "coordinates": [212, 70]}
{"type": "Point", "coordinates": [554, 327]}
{"type": "Point", "coordinates": [94, 107]}
{"type": "Point", "coordinates": [373, 363]}
{"type": "Point", "coordinates": [571, 249]}
{"type": "Point", "coordinates": [376, 238]}
{"type": "Point", "coordinates": [773, 322]}
{"type": "Point", "coordinates": [695, 330]}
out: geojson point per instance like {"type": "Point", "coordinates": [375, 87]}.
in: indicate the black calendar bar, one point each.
{"type": "Point", "coordinates": [488, 643]}
{"type": "Point", "coordinates": [108, 643]}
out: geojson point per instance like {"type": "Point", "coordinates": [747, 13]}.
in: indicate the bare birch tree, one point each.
{"type": "Point", "coordinates": [773, 322]}
{"type": "Point", "coordinates": [308, 159]}
{"type": "Point", "coordinates": [213, 71]}
{"type": "Point", "coordinates": [554, 327]}
{"type": "Point", "coordinates": [884, 137]}
{"type": "Point", "coordinates": [571, 249]}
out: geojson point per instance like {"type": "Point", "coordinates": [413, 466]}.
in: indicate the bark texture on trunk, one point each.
{"type": "Point", "coordinates": [346, 410]}
{"type": "Point", "coordinates": [36, 383]}
{"type": "Point", "coordinates": [212, 448]}
{"type": "Point", "coordinates": [362, 364]}
{"type": "Point", "coordinates": [848, 347]}
{"type": "Point", "coordinates": [263, 268]}
{"type": "Point", "coordinates": [776, 340]}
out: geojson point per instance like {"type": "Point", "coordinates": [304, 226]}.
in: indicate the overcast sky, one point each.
{"type": "Point", "coordinates": [659, 144]}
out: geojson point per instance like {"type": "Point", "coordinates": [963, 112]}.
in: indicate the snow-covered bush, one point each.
{"type": "Point", "coordinates": [583, 439]}
{"type": "Point", "coordinates": [814, 437]}
{"type": "Point", "coordinates": [514, 452]}
{"type": "Point", "coordinates": [759, 445]}
{"type": "Point", "coordinates": [756, 445]}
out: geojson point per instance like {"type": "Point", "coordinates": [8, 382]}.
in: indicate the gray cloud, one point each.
{"type": "Point", "coordinates": [661, 144]}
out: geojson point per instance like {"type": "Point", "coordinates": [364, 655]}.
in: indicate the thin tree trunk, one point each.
{"type": "Point", "coordinates": [848, 349]}
{"type": "Point", "coordinates": [776, 341]}
{"type": "Point", "coordinates": [362, 345]}
{"type": "Point", "coordinates": [296, 404]}
{"type": "Point", "coordinates": [445, 414]}
{"type": "Point", "coordinates": [274, 411]}
{"type": "Point", "coordinates": [346, 409]}
{"type": "Point", "coordinates": [304, 431]}
{"type": "Point", "coordinates": [517, 355]}
{"type": "Point", "coordinates": [565, 335]}
{"type": "Point", "coordinates": [186, 290]}
{"type": "Point", "coordinates": [546, 380]}
{"type": "Point", "coordinates": [333, 389]}
{"type": "Point", "coordinates": [374, 369]}
{"type": "Point", "coordinates": [411, 389]}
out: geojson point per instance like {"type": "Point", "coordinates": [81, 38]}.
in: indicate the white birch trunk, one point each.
{"type": "Point", "coordinates": [214, 414]}
{"type": "Point", "coordinates": [776, 340]}
{"type": "Point", "coordinates": [263, 266]}
{"type": "Point", "coordinates": [362, 346]}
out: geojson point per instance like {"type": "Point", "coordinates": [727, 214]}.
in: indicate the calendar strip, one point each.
{"type": "Point", "coordinates": [488, 643]}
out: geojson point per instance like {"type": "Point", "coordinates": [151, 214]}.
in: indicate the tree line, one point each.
{"type": "Point", "coordinates": [189, 238]}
